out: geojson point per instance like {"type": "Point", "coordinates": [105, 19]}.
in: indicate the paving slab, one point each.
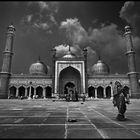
{"type": "Point", "coordinates": [83, 133]}
{"type": "Point", "coordinates": [32, 131]}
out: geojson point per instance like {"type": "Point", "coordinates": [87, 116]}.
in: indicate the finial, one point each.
{"type": "Point", "coordinates": [53, 52]}
{"type": "Point", "coordinates": [99, 57]}
{"type": "Point", "coordinates": [11, 23]}
{"type": "Point", "coordinates": [11, 28]}
{"type": "Point", "coordinates": [69, 48]}
{"type": "Point", "coordinates": [127, 29]}
{"type": "Point", "coordinates": [38, 59]}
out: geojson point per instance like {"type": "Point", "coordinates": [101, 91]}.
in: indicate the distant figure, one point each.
{"type": "Point", "coordinates": [83, 97]}
{"type": "Point", "coordinates": [76, 95]}
{"type": "Point", "coordinates": [120, 98]}
{"type": "Point", "coordinates": [34, 96]}
{"type": "Point", "coordinates": [68, 97]}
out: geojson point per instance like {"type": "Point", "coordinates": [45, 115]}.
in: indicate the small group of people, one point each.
{"type": "Point", "coordinates": [120, 99]}
{"type": "Point", "coordinates": [71, 94]}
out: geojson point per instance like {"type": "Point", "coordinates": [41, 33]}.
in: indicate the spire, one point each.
{"type": "Point", "coordinates": [127, 30]}
{"type": "Point", "coordinates": [11, 28]}
{"type": "Point", "coordinates": [11, 23]}
{"type": "Point", "coordinates": [39, 59]}
{"type": "Point", "coordinates": [99, 57]}
{"type": "Point", "coordinates": [69, 48]}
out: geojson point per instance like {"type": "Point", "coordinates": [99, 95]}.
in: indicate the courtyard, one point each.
{"type": "Point", "coordinates": [64, 120]}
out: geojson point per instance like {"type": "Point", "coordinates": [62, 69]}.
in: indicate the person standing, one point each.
{"type": "Point", "coordinates": [120, 98]}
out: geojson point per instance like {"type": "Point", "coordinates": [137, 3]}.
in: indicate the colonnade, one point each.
{"type": "Point", "coordinates": [30, 91]}
{"type": "Point", "coordinates": [45, 92]}
{"type": "Point", "coordinates": [101, 92]}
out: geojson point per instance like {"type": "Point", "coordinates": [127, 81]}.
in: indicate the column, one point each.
{"type": "Point", "coordinates": [44, 92]}
{"type": "Point", "coordinates": [85, 60]}
{"type": "Point", "coordinates": [53, 69]}
{"type": "Point", "coordinates": [95, 93]}
{"type": "Point", "coordinates": [35, 91]}
{"type": "Point", "coordinates": [17, 92]}
{"type": "Point", "coordinates": [104, 93]}
{"type": "Point", "coordinates": [111, 92]}
{"type": "Point", "coordinates": [29, 93]}
{"type": "Point", "coordinates": [34, 95]}
{"type": "Point", "coordinates": [9, 93]}
{"type": "Point", "coordinates": [26, 91]}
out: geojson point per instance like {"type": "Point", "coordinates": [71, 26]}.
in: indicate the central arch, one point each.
{"type": "Point", "coordinates": [69, 77]}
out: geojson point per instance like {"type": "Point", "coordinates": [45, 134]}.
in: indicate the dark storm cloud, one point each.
{"type": "Point", "coordinates": [131, 13]}
{"type": "Point", "coordinates": [78, 38]}
{"type": "Point", "coordinates": [78, 24]}
{"type": "Point", "coordinates": [105, 40]}
{"type": "Point", "coordinates": [105, 37]}
{"type": "Point", "coordinates": [41, 15]}
{"type": "Point", "coordinates": [75, 32]}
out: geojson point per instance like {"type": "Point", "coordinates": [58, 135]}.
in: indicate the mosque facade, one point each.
{"type": "Point", "coordinates": [69, 73]}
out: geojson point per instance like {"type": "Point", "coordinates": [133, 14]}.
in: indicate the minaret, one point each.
{"type": "Point", "coordinates": [86, 75]}
{"type": "Point", "coordinates": [53, 70]}
{"type": "Point", "coordinates": [7, 60]}
{"type": "Point", "coordinates": [132, 74]}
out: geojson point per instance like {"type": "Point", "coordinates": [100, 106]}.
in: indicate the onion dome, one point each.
{"type": "Point", "coordinates": [69, 54]}
{"type": "Point", "coordinates": [38, 68]}
{"type": "Point", "coordinates": [100, 68]}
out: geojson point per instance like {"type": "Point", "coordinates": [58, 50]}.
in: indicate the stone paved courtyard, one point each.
{"type": "Point", "coordinates": [49, 119]}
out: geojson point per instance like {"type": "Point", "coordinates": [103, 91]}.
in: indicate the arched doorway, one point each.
{"type": "Point", "coordinates": [69, 77]}
{"type": "Point", "coordinates": [91, 91]}
{"type": "Point", "coordinates": [108, 92]}
{"type": "Point", "coordinates": [12, 92]}
{"type": "Point", "coordinates": [100, 92]}
{"type": "Point", "coordinates": [39, 92]}
{"type": "Point", "coordinates": [21, 91]}
{"type": "Point", "coordinates": [48, 92]}
{"type": "Point", "coordinates": [70, 92]}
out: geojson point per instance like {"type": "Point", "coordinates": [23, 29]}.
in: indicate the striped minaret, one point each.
{"type": "Point", "coordinates": [132, 74]}
{"type": "Point", "coordinates": [7, 61]}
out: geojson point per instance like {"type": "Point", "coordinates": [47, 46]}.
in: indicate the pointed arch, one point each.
{"type": "Point", "coordinates": [39, 91]}
{"type": "Point", "coordinates": [21, 91]}
{"type": "Point", "coordinates": [108, 92]}
{"type": "Point", "coordinates": [91, 91]}
{"type": "Point", "coordinates": [100, 92]}
{"type": "Point", "coordinates": [68, 75]}
{"type": "Point", "coordinates": [48, 92]}
{"type": "Point", "coordinates": [12, 92]}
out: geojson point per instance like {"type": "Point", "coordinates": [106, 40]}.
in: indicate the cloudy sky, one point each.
{"type": "Point", "coordinates": [98, 26]}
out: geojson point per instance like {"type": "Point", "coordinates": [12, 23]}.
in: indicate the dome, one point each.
{"type": "Point", "coordinates": [100, 68]}
{"type": "Point", "coordinates": [38, 68]}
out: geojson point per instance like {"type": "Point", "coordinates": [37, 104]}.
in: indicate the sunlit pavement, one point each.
{"type": "Point", "coordinates": [49, 119]}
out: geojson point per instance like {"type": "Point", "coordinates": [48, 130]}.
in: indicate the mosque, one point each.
{"type": "Point", "coordinates": [69, 73]}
